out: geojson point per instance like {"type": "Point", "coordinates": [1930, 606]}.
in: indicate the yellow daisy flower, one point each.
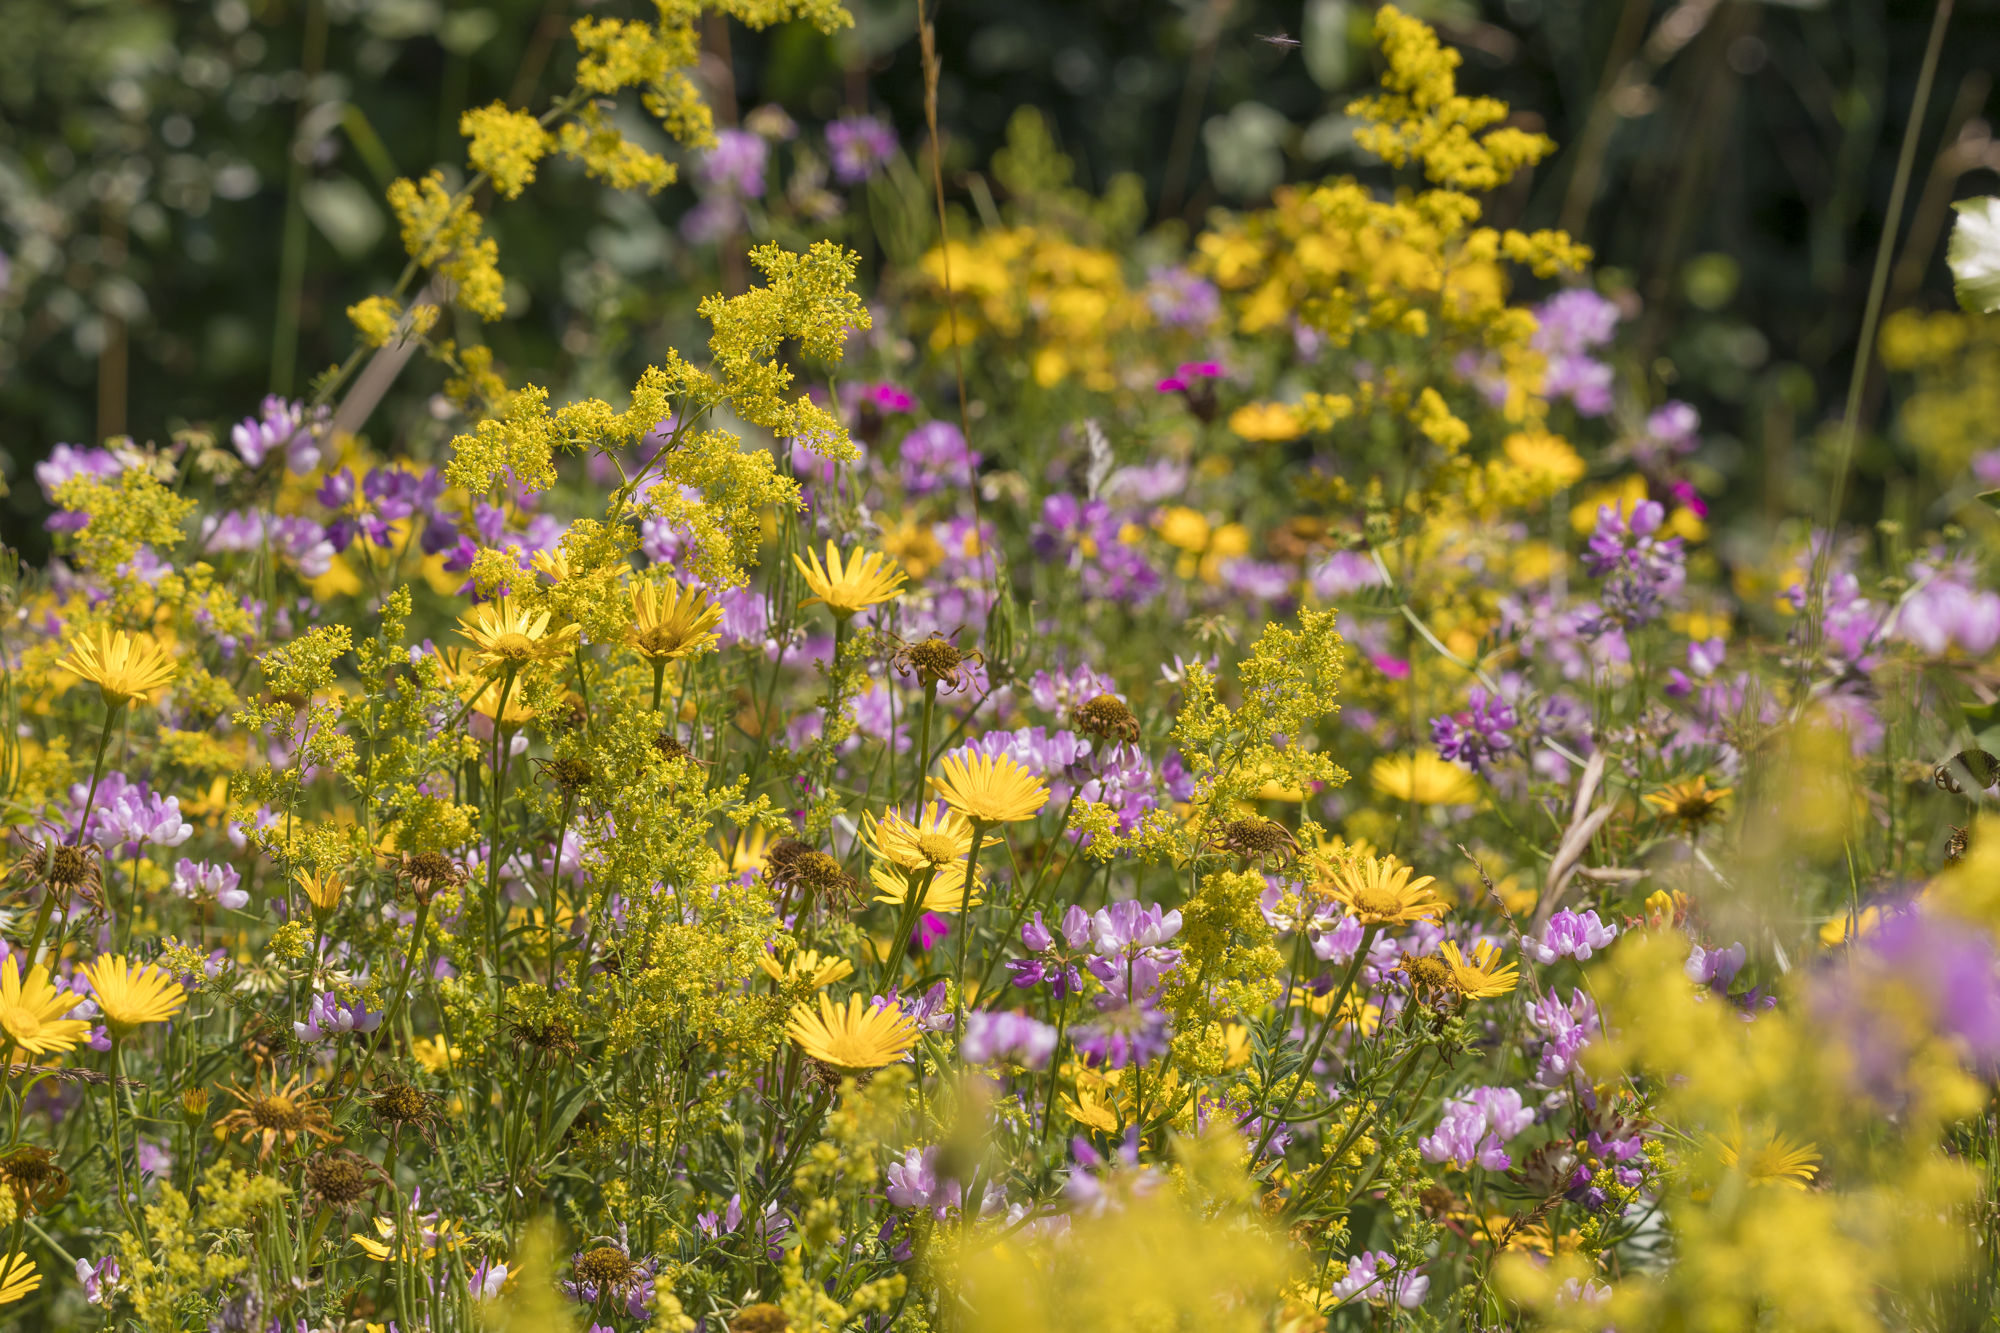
{"type": "Point", "coordinates": [1775, 1159]}
{"type": "Point", "coordinates": [122, 666]}
{"type": "Point", "coordinates": [1480, 977]}
{"type": "Point", "coordinates": [939, 836]}
{"type": "Point", "coordinates": [992, 789]}
{"type": "Point", "coordinates": [130, 994]}
{"type": "Point", "coordinates": [31, 1011]}
{"type": "Point", "coordinates": [854, 1037]}
{"type": "Point", "coordinates": [671, 622]}
{"type": "Point", "coordinates": [17, 1277]}
{"type": "Point", "coordinates": [1694, 803]}
{"type": "Point", "coordinates": [506, 635]}
{"type": "Point", "coordinates": [1379, 890]}
{"type": "Point", "coordinates": [864, 579]}
{"type": "Point", "coordinates": [322, 891]}
{"type": "Point", "coordinates": [820, 969]}
{"type": "Point", "coordinates": [894, 884]}
{"type": "Point", "coordinates": [1423, 779]}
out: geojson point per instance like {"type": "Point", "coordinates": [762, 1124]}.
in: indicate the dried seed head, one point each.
{"type": "Point", "coordinates": [816, 873]}
{"type": "Point", "coordinates": [339, 1177]}
{"type": "Point", "coordinates": [762, 1317]}
{"type": "Point", "coordinates": [937, 661]}
{"type": "Point", "coordinates": [1428, 973]}
{"type": "Point", "coordinates": [568, 776]}
{"type": "Point", "coordinates": [427, 872]}
{"type": "Point", "coordinates": [669, 748]}
{"type": "Point", "coordinates": [1257, 839]}
{"type": "Point", "coordinates": [403, 1104]}
{"type": "Point", "coordinates": [606, 1268]}
{"type": "Point", "coordinates": [1107, 718]}
{"type": "Point", "coordinates": [276, 1111]}
{"type": "Point", "coordinates": [37, 1182]}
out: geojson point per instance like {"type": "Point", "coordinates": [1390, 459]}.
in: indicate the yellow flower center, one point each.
{"type": "Point", "coordinates": [1376, 901]}
{"type": "Point", "coordinates": [513, 645]}
{"type": "Point", "coordinates": [936, 848]}
{"type": "Point", "coordinates": [278, 1113]}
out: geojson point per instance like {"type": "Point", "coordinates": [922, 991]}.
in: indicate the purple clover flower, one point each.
{"type": "Point", "coordinates": [327, 1018]}
{"type": "Point", "coordinates": [914, 1183]}
{"type": "Point", "coordinates": [859, 146]}
{"type": "Point", "coordinates": [1475, 1128]}
{"type": "Point", "coordinates": [1010, 1036]}
{"type": "Point", "coordinates": [282, 427]}
{"type": "Point", "coordinates": [1640, 571]}
{"type": "Point", "coordinates": [1567, 1029]}
{"type": "Point", "coordinates": [1478, 735]}
{"type": "Point", "coordinates": [935, 457]}
{"type": "Point", "coordinates": [1124, 1033]}
{"type": "Point", "coordinates": [199, 879]}
{"type": "Point", "coordinates": [1569, 935]}
{"type": "Point", "coordinates": [1372, 1275]}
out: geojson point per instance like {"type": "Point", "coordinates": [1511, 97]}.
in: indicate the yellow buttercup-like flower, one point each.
{"type": "Point", "coordinates": [894, 884]}
{"type": "Point", "coordinates": [862, 580]}
{"type": "Point", "coordinates": [809, 964]}
{"type": "Point", "coordinates": [671, 622]}
{"type": "Point", "coordinates": [993, 789]}
{"type": "Point", "coordinates": [17, 1277]}
{"type": "Point", "coordinates": [1423, 779]}
{"type": "Point", "coordinates": [853, 1037]}
{"type": "Point", "coordinates": [939, 836]}
{"type": "Point", "coordinates": [1379, 890]}
{"type": "Point", "coordinates": [322, 891]}
{"type": "Point", "coordinates": [1773, 1159]}
{"type": "Point", "coordinates": [1694, 803]}
{"type": "Point", "coordinates": [31, 1011]}
{"type": "Point", "coordinates": [130, 994]}
{"type": "Point", "coordinates": [506, 635]}
{"type": "Point", "coordinates": [122, 666]}
{"type": "Point", "coordinates": [1482, 976]}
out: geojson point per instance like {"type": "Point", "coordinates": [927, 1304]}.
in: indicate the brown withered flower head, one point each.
{"type": "Point", "coordinates": [763, 1317]}
{"type": "Point", "coordinates": [276, 1114]}
{"type": "Point", "coordinates": [1107, 718]}
{"type": "Point", "coordinates": [1257, 839]}
{"type": "Point", "coordinates": [669, 747]}
{"type": "Point", "coordinates": [938, 661]}
{"type": "Point", "coordinates": [32, 1174]}
{"type": "Point", "coordinates": [1429, 978]}
{"type": "Point", "coordinates": [427, 873]}
{"type": "Point", "coordinates": [542, 1037]}
{"type": "Point", "coordinates": [339, 1180]}
{"type": "Point", "coordinates": [792, 865]}
{"type": "Point", "coordinates": [70, 872]}
{"type": "Point", "coordinates": [396, 1105]}
{"type": "Point", "coordinates": [568, 776]}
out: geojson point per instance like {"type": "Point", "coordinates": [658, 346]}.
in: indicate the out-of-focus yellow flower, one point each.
{"type": "Point", "coordinates": [1424, 778]}
{"type": "Point", "coordinates": [809, 965]}
{"type": "Point", "coordinates": [1693, 803]}
{"type": "Point", "coordinates": [1266, 423]}
{"type": "Point", "coordinates": [1769, 1159]}
{"type": "Point", "coordinates": [1545, 456]}
{"type": "Point", "coordinates": [1183, 527]}
{"type": "Point", "coordinates": [853, 1037]}
{"type": "Point", "coordinates": [917, 548]}
{"type": "Point", "coordinates": [434, 1053]}
{"type": "Point", "coordinates": [122, 666]}
{"type": "Point", "coordinates": [864, 579]}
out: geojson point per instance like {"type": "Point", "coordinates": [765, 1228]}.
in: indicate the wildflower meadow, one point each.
{"type": "Point", "coordinates": [971, 743]}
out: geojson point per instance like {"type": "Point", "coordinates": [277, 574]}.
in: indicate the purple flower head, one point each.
{"type": "Point", "coordinates": [935, 457]}
{"type": "Point", "coordinates": [1475, 1128]}
{"type": "Point", "coordinates": [200, 880]}
{"type": "Point", "coordinates": [1478, 735]}
{"type": "Point", "coordinates": [327, 1018]}
{"type": "Point", "coordinates": [283, 427]}
{"type": "Point", "coordinates": [67, 462]}
{"type": "Point", "coordinates": [1373, 1276]}
{"type": "Point", "coordinates": [1947, 615]}
{"type": "Point", "coordinates": [1182, 299]}
{"type": "Point", "coordinates": [1640, 570]}
{"type": "Point", "coordinates": [1012, 1037]}
{"type": "Point", "coordinates": [1567, 1029]}
{"type": "Point", "coordinates": [736, 163]}
{"type": "Point", "coordinates": [930, 1012]}
{"type": "Point", "coordinates": [1569, 936]}
{"type": "Point", "coordinates": [99, 1280]}
{"type": "Point", "coordinates": [1123, 1034]}
{"type": "Point", "coordinates": [1715, 968]}
{"type": "Point", "coordinates": [859, 146]}
{"type": "Point", "coordinates": [914, 1183]}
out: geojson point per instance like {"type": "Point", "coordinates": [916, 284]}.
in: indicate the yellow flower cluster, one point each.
{"type": "Point", "coordinates": [506, 145]}
{"type": "Point", "coordinates": [1955, 360]}
{"type": "Point", "coordinates": [442, 232]}
{"type": "Point", "coordinates": [1420, 116]}
{"type": "Point", "coordinates": [1070, 301]}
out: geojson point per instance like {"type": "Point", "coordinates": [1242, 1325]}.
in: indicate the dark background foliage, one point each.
{"type": "Point", "coordinates": [189, 192]}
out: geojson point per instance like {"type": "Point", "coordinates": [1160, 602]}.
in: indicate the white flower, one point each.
{"type": "Point", "coordinates": [1974, 254]}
